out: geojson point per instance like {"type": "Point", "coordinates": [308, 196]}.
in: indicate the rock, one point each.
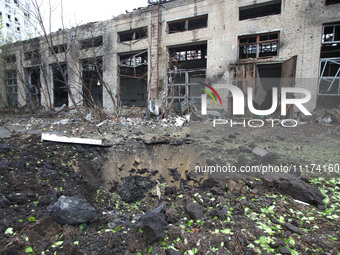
{"type": "Point", "coordinates": [170, 215]}
{"type": "Point", "coordinates": [174, 233]}
{"type": "Point", "coordinates": [284, 250]}
{"type": "Point", "coordinates": [79, 148]}
{"type": "Point", "coordinates": [277, 244]}
{"type": "Point", "coordinates": [292, 228]}
{"type": "Point", "coordinates": [192, 176]}
{"type": "Point", "coordinates": [175, 174]}
{"type": "Point", "coordinates": [296, 188]}
{"type": "Point", "coordinates": [4, 162]}
{"type": "Point", "coordinates": [245, 149]}
{"type": "Point", "coordinates": [171, 190]}
{"type": "Point", "coordinates": [232, 136]}
{"type": "Point", "coordinates": [19, 198]}
{"type": "Point", "coordinates": [4, 202]}
{"type": "Point", "coordinates": [133, 188]}
{"type": "Point", "coordinates": [71, 211]}
{"type": "Point", "coordinates": [159, 208]}
{"type": "Point", "coordinates": [153, 226]}
{"type": "Point", "coordinates": [195, 210]}
{"type": "Point", "coordinates": [4, 147]}
{"type": "Point", "coordinates": [172, 252]}
{"type": "Point", "coordinates": [260, 152]}
{"type": "Point", "coordinates": [49, 199]}
{"type": "Point", "coordinates": [217, 191]}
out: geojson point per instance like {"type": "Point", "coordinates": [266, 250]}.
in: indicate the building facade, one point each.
{"type": "Point", "coordinates": [15, 21]}
{"type": "Point", "coordinates": [162, 52]}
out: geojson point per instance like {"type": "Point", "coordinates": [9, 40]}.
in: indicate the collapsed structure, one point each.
{"type": "Point", "coordinates": [162, 52]}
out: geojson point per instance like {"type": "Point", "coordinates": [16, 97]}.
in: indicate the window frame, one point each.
{"type": "Point", "coordinates": [186, 24]}
{"type": "Point", "coordinates": [12, 84]}
{"type": "Point", "coordinates": [261, 5]}
{"type": "Point", "coordinates": [134, 33]}
{"type": "Point", "coordinates": [94, 42]}
{"type": "Point", "coordinates": [258, 42]}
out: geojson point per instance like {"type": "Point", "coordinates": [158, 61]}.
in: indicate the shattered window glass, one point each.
{"type": "Point", "coordinates": [256, 46]}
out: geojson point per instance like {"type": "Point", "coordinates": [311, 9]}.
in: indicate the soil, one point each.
{"type": "Point", "coordinates": [149, 199]}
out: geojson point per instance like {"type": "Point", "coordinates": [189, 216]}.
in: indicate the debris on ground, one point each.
{"type": "Point", "coordinates": [142, 195]}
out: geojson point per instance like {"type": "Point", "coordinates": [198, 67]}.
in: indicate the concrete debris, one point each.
{"type": "Point", "coordinates": [89, 116]}
{"type": "Point", "coordinates": [65, 139]}
{"type": "Point", "coordinates": [260, 152]}
{"type": "Point", "coordinates": [102, 123]}
{"type": "Point", "coordinates": [180, 121]}
{"type": "Point", "coordinates": [62, 122]}
{"type": "Point", "coordinates": [324, 121]}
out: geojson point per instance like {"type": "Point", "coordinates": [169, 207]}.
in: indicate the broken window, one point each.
{"type": "Point", "coordinates": [32, 55]}
{"type": "Point", "coordinates": [257, 46]}
{"type": "Point", "coordinates": [330, 41]}
{"type": "Point", "coordinates": [59, 49]}
{"type": "Point", "coordinates": [188, 24]}
{"type": "Point", "coordinates": [92, 73]}
{"type": "Point", "coordinates": [328, 2]}
{"type": "Point", "coordinates": [260, 10]}
{"type": "Point", "coordinates": [12, 88]}
{"type": "Point", "coordinates": [92, 42]}
{"type": "Point", "coordinates": [184, 88]}
{"type": "Point", "coordinates": [33, 86]}
{"type": "Point", "coordinates": [60, 86]}
{"type": "Point", "coordinates": [11, 59]}
{"type": "Point", "coordinates": [189, 57]}
{"type": "Point", "coordinates": [133, 70]}
{"type": "Point", "coordinates": [329, 76]}
{"type": "Point", "coordinates": [136, 34]}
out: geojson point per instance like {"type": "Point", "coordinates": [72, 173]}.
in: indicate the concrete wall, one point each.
{"type": "Point", "coordinates": [300, 26]}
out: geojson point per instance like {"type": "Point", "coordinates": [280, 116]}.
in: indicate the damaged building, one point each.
{"type": "Point", "coordinates": [161, 54]}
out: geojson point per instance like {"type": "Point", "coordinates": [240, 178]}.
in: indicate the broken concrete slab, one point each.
{"type": "Point", "coordinates": [65, 139]}
{"type": "Point", "coordinates": [260, 152]}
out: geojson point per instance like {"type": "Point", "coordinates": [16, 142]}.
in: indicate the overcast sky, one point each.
{"type": "Point", "coordinates": [78, 12]}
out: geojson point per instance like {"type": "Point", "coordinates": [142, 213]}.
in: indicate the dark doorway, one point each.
{"type": "Point", "coordinates": [60, 90]}
{"type": "Point", "coordinates": [269, 76]}
{"type": "Point", "coordinates": [92, 82]}
{"type": "Point", "coordinates": [33, 86]}
{"type": "Point", "coordinates": [133, 79]}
